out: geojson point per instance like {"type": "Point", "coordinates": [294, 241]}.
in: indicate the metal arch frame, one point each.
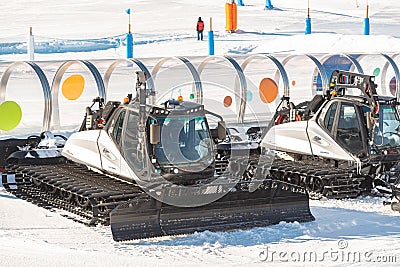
{"type": "Point", "coordinates": [55, 86]}
{"type": "Point", "coordinates": [390, 60]}
{"type": "Point", "coordinates": [142, 67]}
{"type": "Point", "coordinates": [320, 68]}
{"type": "Point", "coordinates": [51, 110]}
{"type": "Point", "coordinates": [45, 87]}
{"type": "Point", "coordinates": [384, 71]}
{"type": "Point", "coordinates": [242, 78]}
{"type": "Point", "coordinates": [196, 77]}
{"type": "Point", "coordinates": [353, 61]}
{"type": "Point", "coordinates": [281, 69]}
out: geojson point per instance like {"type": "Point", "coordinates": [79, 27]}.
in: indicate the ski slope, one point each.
{"type": "Point", "coordinates": [167, 28]}
{"type": "Point", "coordinates": [356, 232]}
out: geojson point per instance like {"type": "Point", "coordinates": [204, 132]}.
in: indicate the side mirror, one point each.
{"type": "Point", "coordinates": [221, 130]}
{"type": "Point", "coordinates": [155, 135]}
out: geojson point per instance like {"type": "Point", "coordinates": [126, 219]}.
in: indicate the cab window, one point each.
{"type": "Point", "coordinates": [330, 117]}
{"type": "Point", "coordinates": [117, 130]}
{"type": "Point", "coordinates": [348, 129]}
{"type": "Point", "coordinates": [131, 145]}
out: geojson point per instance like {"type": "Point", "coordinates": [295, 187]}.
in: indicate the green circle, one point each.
{"type": "Point", "coordinates": [191, 96]}
{"type": "Point", "coordinates": [10, 115]}
{"type": "Point", "coordinates": [376, 72]}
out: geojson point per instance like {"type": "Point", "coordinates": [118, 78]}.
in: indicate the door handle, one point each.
{"type": "Point", "coordinates": [320, 141]}
{"type": "Point", "coordinates": [317, 138]}
{"type": "Point", "coordinates": [108, 154]}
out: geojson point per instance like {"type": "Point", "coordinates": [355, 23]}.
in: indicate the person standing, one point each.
{"type": "Point", "coordinates": [200, 28]}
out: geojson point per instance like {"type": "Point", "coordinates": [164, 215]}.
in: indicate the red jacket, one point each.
{"type": "Point", "coordinates": [200, 25]}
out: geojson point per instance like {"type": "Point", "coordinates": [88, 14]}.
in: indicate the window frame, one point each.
{"type": "Point", "coordinates": [333, 132]}
{"type": "Point", "coordinates": [112, 126]}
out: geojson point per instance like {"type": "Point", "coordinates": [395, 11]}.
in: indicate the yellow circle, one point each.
{"type": "Point", "coordinates": [73, 86]}
{"type": "Point", "coordinates": [268, 90]}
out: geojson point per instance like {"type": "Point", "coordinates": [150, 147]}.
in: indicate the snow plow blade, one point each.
{"type": "Point", "coordinates": [272, 202]}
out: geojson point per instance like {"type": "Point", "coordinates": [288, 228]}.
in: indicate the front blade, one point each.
{"type": "Point", "coordinates": [272, 202]}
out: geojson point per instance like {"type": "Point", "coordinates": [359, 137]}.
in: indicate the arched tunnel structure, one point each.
{"type": "Point", "coordinates": [281, 70]}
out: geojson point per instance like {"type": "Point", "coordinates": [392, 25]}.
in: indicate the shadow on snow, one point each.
{"type": "Point", "coordinates": [330, 224]}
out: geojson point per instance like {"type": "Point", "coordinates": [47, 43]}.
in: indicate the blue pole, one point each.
{"type": "Point", "coordinates": [308, 25]}
{"type": "Point", "coordinates": [366, 22]}
{"type": "Point", "coordinates": [211, 43]}
{"type": "Point", "coordinates": [268, 4]}
{"type": "Point", "coordinates": [366, 26]}
{"type": "Point", "coordinates": [129, 37]}
{"type": "Point", "coordinates": [129, 45]}
{"type": "Point", "coordinates": [240, 3]}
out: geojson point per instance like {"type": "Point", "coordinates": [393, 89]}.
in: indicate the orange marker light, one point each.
{"type": "Point", "coordinates": [376, 108]}
{"type": "Point", "coordinates": [334, 93]}
{"type": "Point", "coordinates": [126, 100]}
{"type": "Point", "coordinates": [180, 98]}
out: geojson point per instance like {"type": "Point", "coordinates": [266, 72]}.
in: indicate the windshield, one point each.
{"type": "Point", "coordinates": [388, 132]}
{"type": "Point", "coordinates": [184, 140]}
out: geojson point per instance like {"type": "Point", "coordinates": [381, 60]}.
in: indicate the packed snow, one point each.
{"type": "Point", "coordinates": [167, 28]}
{"type": "Point", "coordinates": [354, 232]}
{"type": "Point", "coordinates": [357, 232]}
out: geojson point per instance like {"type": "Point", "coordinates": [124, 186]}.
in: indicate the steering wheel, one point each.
{"type": "Point", "coordinates": [385, 133]}
{"type": "Point", "coordinates": [61, 136]}
{"type": "Point", "coordinates": [33, 141]}
{"type": "Point", "coordinates": [206, 143]}
{"type": "Point", "coordinates": [348, 133]}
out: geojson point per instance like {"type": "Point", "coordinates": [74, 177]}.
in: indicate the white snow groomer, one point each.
{"type": "Point", "coordinates": [149, 170]}
{"type": "Point", "coordinates": [338, 145]}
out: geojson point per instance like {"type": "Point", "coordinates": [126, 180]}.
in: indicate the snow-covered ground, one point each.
{"type": "Point", "coordinates": [167, 28]}
{"type": "Point", "coordinates": [348, 232]}
{"type": "Point", "coordinates": [354, 232]}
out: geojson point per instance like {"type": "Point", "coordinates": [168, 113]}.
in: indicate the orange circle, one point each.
{"type": "Point", "coordinates": [293, 83]}
{"type": "Point", "coordinates": [227, 101]}
{"type": "Point", "coordinates": [73, 86]}
{"type": "Point", "coordinates": [268, 90]}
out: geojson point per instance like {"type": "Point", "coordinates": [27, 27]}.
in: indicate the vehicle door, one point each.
{"type": "Point", "coordinates": [349, 130]}
{"type": "Point", "coordinates": [110, 143]}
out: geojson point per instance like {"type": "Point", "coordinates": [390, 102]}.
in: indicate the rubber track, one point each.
{"type": "Point", "coordinates": [330, 183]}
{"type": "Point", "coordinates": [91, 196]}
{"type": "Point", "coordinates": [70, 187]}
{"type": "Point", "coordinates": [319, 182]}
